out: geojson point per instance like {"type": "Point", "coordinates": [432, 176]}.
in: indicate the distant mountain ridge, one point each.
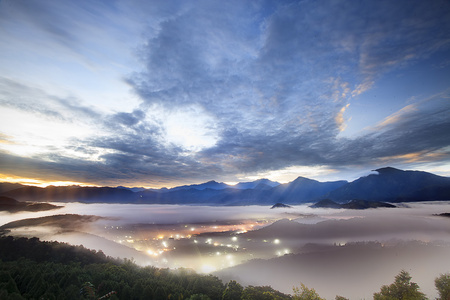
{"type": "Point", "coordinates": [387, 185]}
{"type": "Point", "coordinates": [353, 204]}
{"type": "Point", "coordinates": [214, 185]}
{"type": "Point", "coordinates": [394, 185]}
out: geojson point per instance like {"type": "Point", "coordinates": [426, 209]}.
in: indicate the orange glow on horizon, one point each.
{"type": "Point", "coordinates": [39, 182]}
{"type": "Point", "coordinates": [45, 183]}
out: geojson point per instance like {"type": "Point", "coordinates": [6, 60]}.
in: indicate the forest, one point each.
{"type": "Point", "coordinates": [32, 269]}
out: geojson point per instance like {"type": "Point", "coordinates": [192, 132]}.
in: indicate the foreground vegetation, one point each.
{"type": "Point", "coordinates": [31, 269]}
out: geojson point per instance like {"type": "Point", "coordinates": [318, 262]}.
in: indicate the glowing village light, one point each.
{"type": "Point", "coordinates": [207, 269]}
{"type": "Point", "coordinates": [234, 238]}
{"type": "Point", "coordinates": [276, 241]}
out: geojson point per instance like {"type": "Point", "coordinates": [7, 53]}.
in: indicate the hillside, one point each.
{"type": "Point", "coordinates": [334, 270]}
{"type": "Point", "coordinates": [12, 205]}
{"type": "Point", "coordinates": [72, 194]}
{"type": "Point", "coordinates": [49, 270]}
{"type": "Point", "coordinates": [394, 185]}
{"type": "Point", "coordinates": [387, 185]}
{"type": "Point", "coordinates": [353, 204]}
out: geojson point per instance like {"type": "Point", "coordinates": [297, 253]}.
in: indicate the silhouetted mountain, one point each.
{"type": "Point", "coordinates": [257, 184]}
{"type": "Point", "coordinates": [183, 196]}
{"type": "Point", "coordinates": [12, 205]}
{"type": "Point", "coordinates": [326, 203]}
{"type": "Point", "coordinates": [388, 185]}
{"type": "Point", "coordinates": [447, 215]}
{"type": "Point", "coordinates": [393, 185]}
{"type": "Point", "coordinates": [280, 205]}
{"type": "Point", "coordinates": [362, 204]}
{"type": "Point", "coordinates": [133, 189]}
{"type": "Point", "coordinates": [214, 185]}
{"type": "Point", "coordinates": [303, 190]}
{"type": "Point", "coordinates": [73, 194]}
{"type": "Point", "coordinates": [353, 204]}
{"type": "Point", "coordinates": [209, 197]}
{"type": "Point", "coordinates": [8, 186]}
{"type": "Point", "coordinates": [262, 186]}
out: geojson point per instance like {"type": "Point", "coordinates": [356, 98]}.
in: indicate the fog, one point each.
{"type": "Point", "coordinates": [346, 252]}
{"type": "Point", "coordinates": [162, 214]}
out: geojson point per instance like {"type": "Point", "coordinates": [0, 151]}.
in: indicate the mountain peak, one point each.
{"type": "Point", "coordinates": [388, 170]}
{"type": "Point", "coordinates": [211, 182]}
{"type": "Point", "coordinates": [303, 179]}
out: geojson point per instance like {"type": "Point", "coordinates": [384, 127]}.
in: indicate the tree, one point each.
{"type": "Point", "coordinates": [402, 288]}
{"type": "Point", "coordinates": [305, 294]}
{"type": "Point", "coordinates": [199, 297]}
{"type": "Point", "coordinates": [233, 291]}
{"type": "Point", "coordinates": [442, 284]}
{"type": "Point", "coordinates": [262, 293]}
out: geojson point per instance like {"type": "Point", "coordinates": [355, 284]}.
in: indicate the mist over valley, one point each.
{"type": "Point", "coordinates": [326, 249]}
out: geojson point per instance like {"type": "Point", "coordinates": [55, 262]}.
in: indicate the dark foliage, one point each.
{"type": "Point", "coordinates": [30, 269]}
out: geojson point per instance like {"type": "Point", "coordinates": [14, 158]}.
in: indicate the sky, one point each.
{"type": "Point", "coordinates": [164, 93]}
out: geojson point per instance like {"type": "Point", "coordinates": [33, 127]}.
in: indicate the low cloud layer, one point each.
{"type": "Point", "coordinates": [346, 252]}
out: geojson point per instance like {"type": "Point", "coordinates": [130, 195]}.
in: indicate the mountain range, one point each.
{"type": "Point", "coordinates": [385, 184]}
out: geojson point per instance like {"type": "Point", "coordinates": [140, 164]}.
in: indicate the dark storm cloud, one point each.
{"type": "Point", "coordinates": [277, 92]}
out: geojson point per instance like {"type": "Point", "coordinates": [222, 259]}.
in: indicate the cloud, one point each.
{"type": "Point", "coordinates": [229, 88]}
{"type": "Point", "coordinates": [23, 97]}
{"type": "Point", "coordinates": [417, 128]}
{"type": "Point", "coordinates": [340, 121]}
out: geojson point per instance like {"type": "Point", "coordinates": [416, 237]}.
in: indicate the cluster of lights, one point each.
{"type": "Point", "coordinates": [163, 241]}
{"type": "Point", "coordinates": [210, 241]}
{"type": "Point", "coordinates": [154, 253]}
{"type": "Point", "coordinates": [113, 227]}
{"type": "Point", "coordinates": [283, 252]}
